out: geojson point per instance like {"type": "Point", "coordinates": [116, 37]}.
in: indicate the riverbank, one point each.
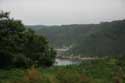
{"type": "Point", "coordinates": [78, 58]}
{"type": "Point", "coordinates": [73, 60]}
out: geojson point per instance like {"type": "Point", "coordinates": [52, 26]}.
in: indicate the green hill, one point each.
{"type": "Point", "coordinates": [104, 39]}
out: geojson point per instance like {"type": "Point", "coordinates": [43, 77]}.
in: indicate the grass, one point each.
{"type": "Point", "coordinates": [98, 71]}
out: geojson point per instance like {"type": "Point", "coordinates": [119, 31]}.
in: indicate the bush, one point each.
{"type": "Point", "coordinates": [71, 76]}
{"type": "Point", "coordinates": [32, 76]}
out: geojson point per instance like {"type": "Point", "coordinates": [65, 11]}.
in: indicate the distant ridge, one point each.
{"type": "Point", "coordinates": [104, 39]}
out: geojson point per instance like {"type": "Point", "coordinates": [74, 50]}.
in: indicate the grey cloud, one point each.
{"type": "Point", "coordinates": [64, 11]}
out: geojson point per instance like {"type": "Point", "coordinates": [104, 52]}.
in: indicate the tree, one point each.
{"type": "Point", "coordinates": [20, 46]}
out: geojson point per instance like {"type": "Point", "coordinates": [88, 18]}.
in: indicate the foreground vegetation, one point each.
{"type": "Point", "coordinates": [98, 71]}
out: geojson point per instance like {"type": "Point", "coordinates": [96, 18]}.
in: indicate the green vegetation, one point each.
{"type": "Point", "coordinates": [21, 47]}
{"type": "Point", "coordinates": [98, 71]}
{"type": "Point", "coordinates": [104, 39]}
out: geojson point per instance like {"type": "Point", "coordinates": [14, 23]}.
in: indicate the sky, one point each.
{"type": "Point", "coordinates": [57, 12]}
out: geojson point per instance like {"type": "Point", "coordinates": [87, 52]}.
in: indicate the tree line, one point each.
{"type": "Point", "coordinates": [103, 39]}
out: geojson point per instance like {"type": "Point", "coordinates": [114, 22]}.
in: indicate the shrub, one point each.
{"type": "Point", "coordinates": [32, 76]}
{"type": "Point", "coordinates": [71, 76]}
{"type": "Point", "coordinates": [119, 75]}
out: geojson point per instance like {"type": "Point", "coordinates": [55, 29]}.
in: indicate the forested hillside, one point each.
{"type": "Point", "coordinates": [104, 39]}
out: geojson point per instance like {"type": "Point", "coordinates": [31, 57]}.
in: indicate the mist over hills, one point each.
{"type": "Point", "coordinates": [104, 39]}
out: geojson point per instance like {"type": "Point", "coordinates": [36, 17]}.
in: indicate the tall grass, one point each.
{"type": "Point", "coordinates": [69, 76]}
{"type": "Point", "coordinates": [99, 71]}
{"type": "Point", "coordinates": [31, 76]}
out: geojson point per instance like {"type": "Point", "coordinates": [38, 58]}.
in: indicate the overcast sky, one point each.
{"type": "Point", "coordinates": [52, 12]}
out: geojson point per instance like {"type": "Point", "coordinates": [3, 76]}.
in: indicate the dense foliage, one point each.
{"type": "Point", "coordinates": [21, 47]}
{"type": "Point", "coordinates": [104, 39]}
{"type": "Point", "coordinates": [98, 71]}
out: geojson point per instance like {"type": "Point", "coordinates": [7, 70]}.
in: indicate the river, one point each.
{"type": "Point", "coordinates": [66, 62]}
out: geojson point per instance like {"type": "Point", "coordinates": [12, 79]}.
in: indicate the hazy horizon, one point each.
{"type": "Point", "coordinates": [61, 12]}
